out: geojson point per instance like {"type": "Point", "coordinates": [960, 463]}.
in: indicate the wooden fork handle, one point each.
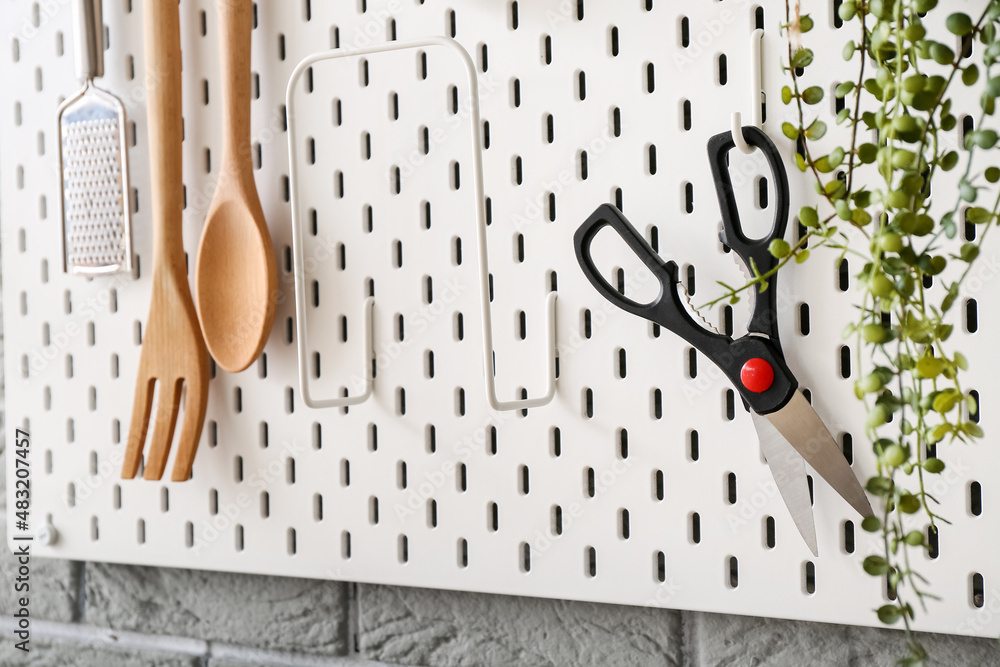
{"type": "Point", "coordinates": [163, 82]}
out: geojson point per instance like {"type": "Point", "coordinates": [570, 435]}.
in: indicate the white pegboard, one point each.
{"type": "Point", "coordinates": [618, 491]}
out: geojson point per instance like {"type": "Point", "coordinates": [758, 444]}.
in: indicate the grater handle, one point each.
{"type": "Point", "coordinates": [88, 21]}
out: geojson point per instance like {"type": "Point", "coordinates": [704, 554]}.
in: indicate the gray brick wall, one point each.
{"type": "Point", "coordinates": [417, 626]}
{"type": "Point", "coordinates": [268, 612]}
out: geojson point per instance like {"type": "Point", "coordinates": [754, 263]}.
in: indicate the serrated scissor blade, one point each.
{"type": "Point", "coordinates": [694, 310]}
{"type": "Point", "coordinates": [806, 432]}
{"type": "Point", "coordinates": [747, 276]}
{"type": "Point", "coordinates": [789, 472]}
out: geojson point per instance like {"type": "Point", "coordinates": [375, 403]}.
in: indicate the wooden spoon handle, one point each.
{"type": "Point", "coordinates": [163, 112]}
{"type": "Point", "coordinates": [235, 24]}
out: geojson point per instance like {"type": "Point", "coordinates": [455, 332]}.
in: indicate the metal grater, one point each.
{"type": "Point", "coordinates": [93, 162]}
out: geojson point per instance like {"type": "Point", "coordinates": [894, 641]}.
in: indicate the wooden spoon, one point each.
{"type": "Point", "coordinates": [237, 277]}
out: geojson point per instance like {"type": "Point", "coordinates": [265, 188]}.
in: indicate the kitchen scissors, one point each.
{"type": "Point", "coordinates": [789, 430]}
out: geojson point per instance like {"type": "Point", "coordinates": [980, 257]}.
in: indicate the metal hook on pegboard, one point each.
{"type": "Point", "coordinates": [484, 271]}
{"type": "Point", "coordinates": [756, 93]}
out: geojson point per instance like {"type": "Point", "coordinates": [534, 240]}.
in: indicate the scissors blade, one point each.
{"type": "Point", "coordinates": [789, 472]}
{"type": "Point", "coordinates": [807, 433]}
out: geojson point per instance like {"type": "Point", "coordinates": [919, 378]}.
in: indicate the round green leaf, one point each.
{"type": "Point", "coordinates": [977, 215]}
{"type": "Point", "coordinates": [930, 367]}
{"type": "Point", "coordinates": [878, 486]}
{"type": "Point", "coordinates": [873, 333]}
{"type": "Point", "coordinates": [909, 504]}
{"type": "Point", "coordinates": [914, 83]}
{"type": "Point", "coordinates": [967, 191]}
{"type": "Point", "coordinates": [779, 248]}
{"type": "Point", "coordinates": [934, 466]}
{"type": "Point", "coordinates": [912, 183]}
{"type": "Point", "coordinates": [942, 54]}
{"type": "Point", "coordinates": [816, 130]}
{"type": "Point", "coordinates": [903, 159]}
{"type": "Point", "coordinates": [960, 359]}
{"type": "Point", "coordinates": [895, 456]}
{"type": "Point", "coordinates": [871, 383]}
{"type": "Point", "coordinates": [871, 524]}
{"type": "Point", "coordinates": [875, 566]}
{"type": "Point", "coordinates": [888, 614]}
{"type": "Point", "coordinates": [985, 139]}
{"type": "Point", "coordinates": [812, 95]}
{"type": "Point", "coordinates": [969, 252]}
{"type": "Point", "coordinates": [992, 87]}
{"type": "Point", "coordinates": [924, 101]}
{"type": "Point", "coordinates": [946, 401]}
{"type": "Point", "coordinates": [790, 131]}
{"type": "Point", "coordinates": [970, 75]}
{"type": "Point", "coordinates": [877, 416]}
{"type": "Point", "coordinates": [808, 216]}
{"type": "Point", "coordinates": [836, 157]}
{"type": "Point", "coordinates": [959, 24]}
{"type": "Point", "coordinates": [891, 242]}
{"type": "Point", "coordinates": [905, 124]}
{"type": "Point", "coordinates": [881, 288]}
{"type": "Point", "coordinates": [914, 32]}
{"type": "Point", "coordinates": [844, 89]}
{"type": "Point", "coordinates": [802, 58]}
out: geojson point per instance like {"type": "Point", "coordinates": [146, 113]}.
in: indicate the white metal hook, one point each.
{"type": "Point", "coordinates": [368, 309]}
{"type": "Point", "coordinates": [756, 93]}
{"type": "Point", "coordinates": [298, 271]}
{"type": "Point", "coordinates": [484, 270]}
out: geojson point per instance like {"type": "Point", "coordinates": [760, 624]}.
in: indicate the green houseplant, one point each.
{"type": "Point", "coordinates": [873, 191]}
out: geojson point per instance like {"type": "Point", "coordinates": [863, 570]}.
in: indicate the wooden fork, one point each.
{"type": "Point", "coordinates": [173, 351]}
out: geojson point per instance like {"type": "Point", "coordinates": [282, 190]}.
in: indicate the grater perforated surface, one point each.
{"type": "Point", "coordinates": [639, 484]}
{"type": "Point", "coordinates": [93, 189]}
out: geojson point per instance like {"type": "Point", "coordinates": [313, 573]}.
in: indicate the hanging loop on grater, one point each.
{"type": "Point", "coordinates": [93, 162]}
{"type": "Point", "coordinates": [88, 28]}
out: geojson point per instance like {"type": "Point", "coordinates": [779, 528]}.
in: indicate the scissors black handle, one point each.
{"type": "Point", "coordinates": [763, 319]}
{"type": "Point", "coordinates": [668, 310]}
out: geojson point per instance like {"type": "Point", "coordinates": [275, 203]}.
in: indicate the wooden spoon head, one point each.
{"type": "Point", "coordinates": [236, 283]}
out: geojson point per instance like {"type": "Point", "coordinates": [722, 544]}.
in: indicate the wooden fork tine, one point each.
{"type": "Point", "coordinates": [167, 408]}
{"type": "Point", "coordinates": [141, 409]}
{"type": "Point", "coordinates": [195, 407]}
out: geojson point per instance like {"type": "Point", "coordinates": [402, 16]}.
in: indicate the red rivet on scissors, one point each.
{"type": "Point", "coordinates": [757, 375]}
